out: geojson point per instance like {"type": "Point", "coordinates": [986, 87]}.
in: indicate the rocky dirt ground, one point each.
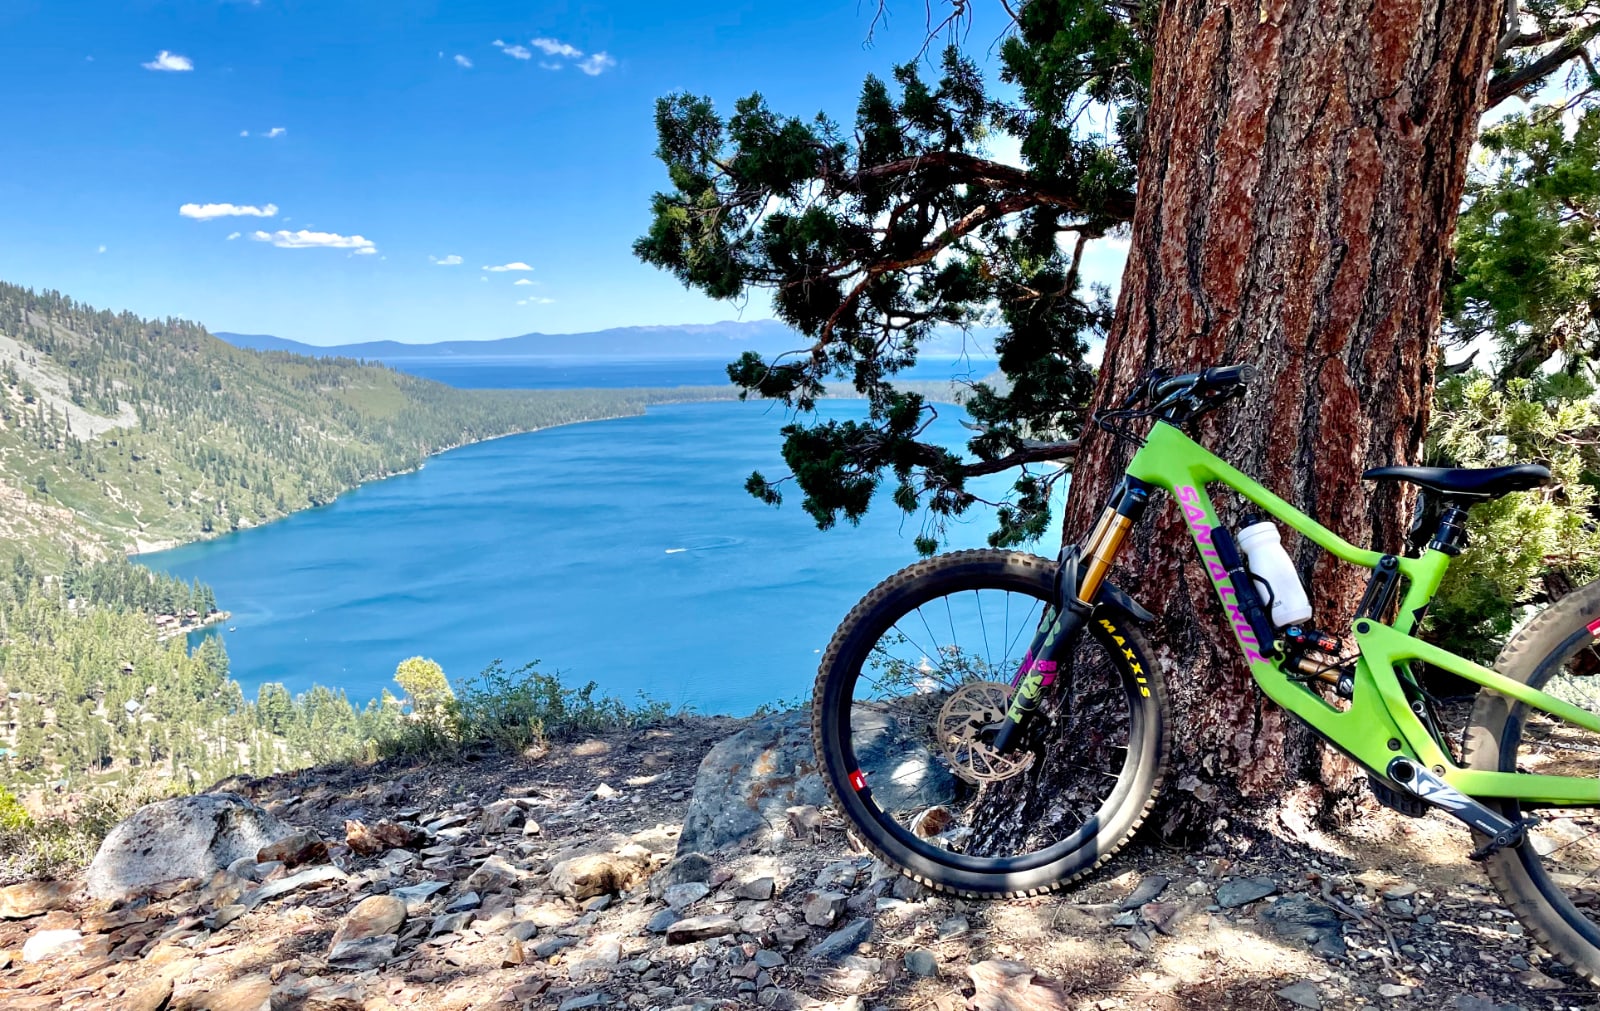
{"type": "Point", "coordinates": [555, 882]}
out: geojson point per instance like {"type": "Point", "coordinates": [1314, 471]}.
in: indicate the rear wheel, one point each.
{"type": "Point", "coordinates": [1552, 881]}
{"type": "Point", "coordinates": [907, 698]}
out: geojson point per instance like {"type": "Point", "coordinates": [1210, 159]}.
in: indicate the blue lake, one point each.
{"type": "Point", "coordinates": [624, 552]}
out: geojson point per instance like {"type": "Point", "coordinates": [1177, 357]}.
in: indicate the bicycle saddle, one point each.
{"type": "Point", "coordinates": [1479, 484]}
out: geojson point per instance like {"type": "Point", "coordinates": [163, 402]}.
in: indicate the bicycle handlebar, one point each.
{"type": "Point", "coordinates": [1222, 379]}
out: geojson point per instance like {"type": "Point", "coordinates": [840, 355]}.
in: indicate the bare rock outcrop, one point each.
{"type": "Point", "coordinates": [187, 837]}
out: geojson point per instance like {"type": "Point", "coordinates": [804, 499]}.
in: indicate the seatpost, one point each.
{"type": "Point", "coordinates": [1451, 537]}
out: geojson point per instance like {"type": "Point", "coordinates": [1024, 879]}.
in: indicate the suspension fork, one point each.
{"type": "Point", "coordinates": [1081, 572]}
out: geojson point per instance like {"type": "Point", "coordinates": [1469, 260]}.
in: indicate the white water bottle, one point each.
{"type": "Point", "coordinates": [1270, 564]}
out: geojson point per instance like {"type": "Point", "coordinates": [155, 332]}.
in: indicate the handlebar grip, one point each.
{"type": "Point", "coordinates": [1228, 375]}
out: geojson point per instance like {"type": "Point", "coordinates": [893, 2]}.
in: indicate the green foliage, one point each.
{"type": "Point", "coordinates": [1524, 545]}
{"type": "Point", "coordinates": [875, 237]}
{"type": "Point", "coordinates": [514, 710]}
{"type": "Point", "coordinates": [427, 690]}
{"type": "Point", "coordinates": [13, 816]}
{"type": "Point", "coordinates": [1526, 252]}
{"type": "Point", "coordinates": [99, 712]}
{"type": "Point", "coordinates": [65, 838]}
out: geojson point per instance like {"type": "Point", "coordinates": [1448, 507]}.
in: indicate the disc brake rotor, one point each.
{"type": "Point", "coordinates": [970, 710]}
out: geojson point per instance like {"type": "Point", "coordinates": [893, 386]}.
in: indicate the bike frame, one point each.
{"type": "Point", "coordinates": [1379, 725]}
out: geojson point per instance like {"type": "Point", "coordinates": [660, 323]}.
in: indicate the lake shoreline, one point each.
{"type": "Point", "coordinates": [534, 551]}
{"type": "Point", "coordinates": [141, 547]}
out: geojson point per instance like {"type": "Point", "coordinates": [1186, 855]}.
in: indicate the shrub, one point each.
{"type": "Point", "coordinates": [512, 710]}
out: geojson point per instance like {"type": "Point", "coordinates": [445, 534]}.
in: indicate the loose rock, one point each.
{"type": "Point", "coordinates": [31, 898]}
{"type": "Point", "coordinates": [48, 944]}
{"type": "Point", "coordinates": [1003, 985]}
{"type": "Point", "coordinates": [1239, 891]}
{"type": "Point", "coordinates": [698, 928]}
{"type": "Point", "coordinates": [494, 874]}
{"type": "Point", "coordinates": [822, 909]}
{"type": "Point", "coordinates": [294, 849]}
{"type": "Point", "coordinates": [921, 962]}
{"type": "Point", "coordinates": [758, 889]}
{"type": "Point", "coordinates": [1297, 916]}
{"type": "Point", "coordinates": [843, 941]}
{"type": "Point", "coordinates": [594, 874]}
{"type": "Point", "coordinates": [373, 916]}
{"type": "Point", "coordinates": [1302, 994]}
{"type": "Point", "coordinates": [363, 952]}
{"type": "Point", "coordinates": [1148, 890]}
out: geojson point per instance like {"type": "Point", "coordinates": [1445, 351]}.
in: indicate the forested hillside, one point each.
{"type": "Point", "coordinates": [118, 432]}
{"type": "Point", "coordinates": [93, 692]}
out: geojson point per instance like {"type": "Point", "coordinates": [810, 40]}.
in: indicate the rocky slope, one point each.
{"type": "Point", "coordinates": [561, 881]}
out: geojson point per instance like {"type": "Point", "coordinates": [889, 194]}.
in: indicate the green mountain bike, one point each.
{"type": "Point", "coordinates": [951, 689]}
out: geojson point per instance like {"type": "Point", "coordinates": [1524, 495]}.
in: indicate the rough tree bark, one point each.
{"type": "Point", "coordinates": [1298, 191]}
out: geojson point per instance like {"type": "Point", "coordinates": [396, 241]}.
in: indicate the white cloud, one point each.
{"type": "Point", "coordinates": [285, 239]}
{"type": "Point", "coordinates": [555, 47]}
{"type": "Point", "coordinates": [549, 66]}
{"type": "Point", "coordinates": [205, 212]}
{"type": "Point", "coordinates": [101, 249]}
{"type": "Point", "coordinates": [522, 281]}
{"type": "Point", "coordinates": [446, 261]}
{"type": "Point", "coordinates": [462, 61]}
{"type": "Point", "coordinates": [244, 133]}
{"type": "Point", "coordinates": [277, 131]}
{"type": "Point", "coordinates": [169, 61]}
{"type": "Point", "coordinates": [520, 52]}
{"type": "Point", "coordinates": [597, 64]}
{"type": "Point", "coordinates": [502, 268]}
{"type": "Point", "coordinates": [535, 301]}
{"type": "Point", "coordinates": [234, 235]}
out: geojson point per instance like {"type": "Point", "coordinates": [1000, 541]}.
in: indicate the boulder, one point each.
{"type": "Point", "coordinates": [747, 783]}
{"type": "Point", "coordinates": [921, 779]}
{"type": "Point", "coordinates": [186, 837]}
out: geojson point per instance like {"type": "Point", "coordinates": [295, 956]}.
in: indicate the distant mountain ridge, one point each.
{"type": "Point", "coordinates": [727, 339]}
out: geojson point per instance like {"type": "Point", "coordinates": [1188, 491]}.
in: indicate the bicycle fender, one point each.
{"type": "Point", "coordinates": [1117, 597]}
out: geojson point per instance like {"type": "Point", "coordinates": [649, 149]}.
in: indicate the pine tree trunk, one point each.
{"type": "Point", "coordinates": [1298, 190]}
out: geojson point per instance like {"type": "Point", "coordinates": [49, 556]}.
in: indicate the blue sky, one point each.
{"type": "Point", "coordinates": [358, 148]}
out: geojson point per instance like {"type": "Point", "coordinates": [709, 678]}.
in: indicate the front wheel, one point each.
{"type": "Point", "coordinates": [910, 691]}
{"type": "Point", "coordinates": [1552, 881]}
